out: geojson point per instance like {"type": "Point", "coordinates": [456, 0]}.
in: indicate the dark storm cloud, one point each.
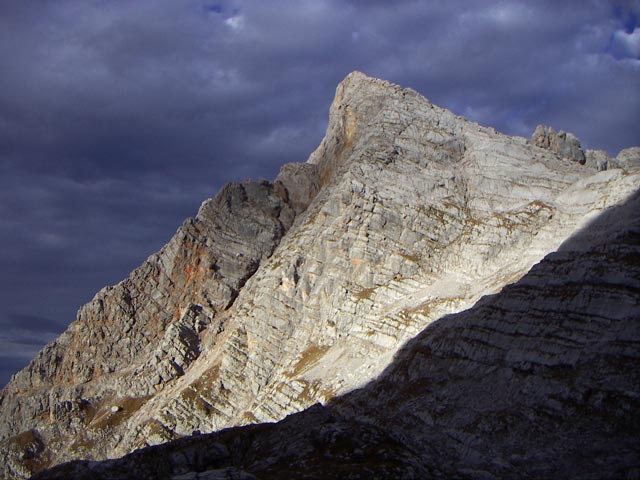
{"type": "Point", "coordinates": [118, 118]}
{"type": "Point", "coordinates": [513, 64]}
{"type": "Point", "coordinates": [33, 322]}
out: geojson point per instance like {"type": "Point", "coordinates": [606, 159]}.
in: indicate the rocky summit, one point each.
{"type": "Point", "coordinates": [425, 297]}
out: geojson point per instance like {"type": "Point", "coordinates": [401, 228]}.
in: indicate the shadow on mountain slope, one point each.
{"type": "Point", "coordinates": [538, 381]}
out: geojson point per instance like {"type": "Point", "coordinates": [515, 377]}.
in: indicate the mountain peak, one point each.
{"type": "Point", "coordinates": [280, 295]}
{"type": "Point", "coordinates": [359, 83]}
{"type": "Point", "coordinates": [361, 104]}
{"type": "Point", "coordinates": [356, 86]}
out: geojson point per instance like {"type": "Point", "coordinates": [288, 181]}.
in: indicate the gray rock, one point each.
{"type": "Point", "coordinates": [628, 159]}
{"type": "Point", "coordinates": [566, 145]}
{"type": "Point", "coordinates": [597, 159]}
{"type": "Point", "coordinates": [298, 183]}
{"type": "Point", "coordinates": [277, 296]}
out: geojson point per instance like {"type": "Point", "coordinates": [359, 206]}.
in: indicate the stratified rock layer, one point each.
{"type": "Point", "coordinates": [537, 381]}
{"type": "Point", "coordinates": [278, 296]}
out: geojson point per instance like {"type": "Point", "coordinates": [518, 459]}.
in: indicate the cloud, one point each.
{"type": "Point", "coordinates": [32, 322]}
{"type": "Point", "coordinates": [626, 44]}
{"type": "Point", "coordinates": [118, 118]}
{"type": "Point", "coordinates": [236, 22]}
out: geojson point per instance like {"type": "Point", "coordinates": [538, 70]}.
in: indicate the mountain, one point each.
{"type": "Point", "coordinates": [463, 303]}
{"type": "Point", "coordinates": [537, 381]}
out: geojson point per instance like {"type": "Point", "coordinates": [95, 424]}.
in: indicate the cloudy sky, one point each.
{"type": "Point", "coordinates": [117, 118]}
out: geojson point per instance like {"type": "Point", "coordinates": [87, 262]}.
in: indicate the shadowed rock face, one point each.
{"type": "Point", "coordinates": [278, 296]}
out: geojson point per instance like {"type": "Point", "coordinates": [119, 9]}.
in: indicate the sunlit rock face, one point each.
{"type": "Point", "coordinates": [566, 145]}
{"type": "Point", "coordinates": [281, 295]}
{"type": "Point", "coordinates": [537, 381]}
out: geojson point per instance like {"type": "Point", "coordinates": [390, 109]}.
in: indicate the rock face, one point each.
{"type": "Point", "coordinates": [564, 144]}
{"type": "Point", "coordinates": [628, 159]}
{"type": "Point", "coordinates": [281, 295]}
{"type": "Point", "coordinates": [135, 338]}
{"type": "Point", "coordinates": [537, 381]}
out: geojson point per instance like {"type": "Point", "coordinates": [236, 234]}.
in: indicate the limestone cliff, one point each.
{"type": "Point", "coordinates": [538, 381]}
{"type": "Point", "coordinates": [280, 295]}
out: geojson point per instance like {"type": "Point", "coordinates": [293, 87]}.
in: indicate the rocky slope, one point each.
{"type": "Point", "coordinates": [280, 295]}
{"type": "Point", "coordinates": [537, 381]}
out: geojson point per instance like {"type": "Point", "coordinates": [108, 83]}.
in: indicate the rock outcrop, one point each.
{"type": "Point", "coordinates": [564, 144]}
{"type": "Point", "coordinates": [278, 296]}
{"type": "Point", "coordinates": [628, 159]}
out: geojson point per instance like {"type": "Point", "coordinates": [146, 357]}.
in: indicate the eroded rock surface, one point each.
{"type": "Point", "coordinates": [538, 381]}
{"type": "Point", "coordinates": [278, 296]}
